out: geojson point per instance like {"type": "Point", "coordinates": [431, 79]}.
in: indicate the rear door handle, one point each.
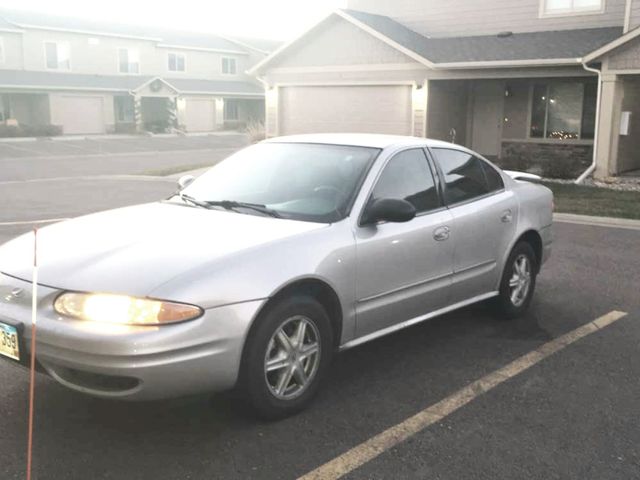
{"type": "Point", "coordinates": [506, 216]}
{"type": "Point", "coordinates": [441, 234]}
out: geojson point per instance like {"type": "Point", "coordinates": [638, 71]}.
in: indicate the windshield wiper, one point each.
{"type": "Point", "coordinates": [194, 201]}
{"type": "Point", "coordinates": [232, 204]}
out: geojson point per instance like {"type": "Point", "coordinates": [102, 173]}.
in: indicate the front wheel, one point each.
{"type": "Point", "coordinates": [518, 281]}
{"type": "Point", "coordinates": [287, 355]}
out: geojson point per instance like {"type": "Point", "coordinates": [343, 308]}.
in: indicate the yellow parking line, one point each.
{"type": "Point", "coordinates": [370, 449]}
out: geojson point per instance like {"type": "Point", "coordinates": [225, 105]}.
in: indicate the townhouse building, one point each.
{"type": "Point", "coordinates": [72, 76]}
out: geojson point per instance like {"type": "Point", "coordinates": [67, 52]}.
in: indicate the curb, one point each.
{"type": "Point", "coordinates": [597, 221]}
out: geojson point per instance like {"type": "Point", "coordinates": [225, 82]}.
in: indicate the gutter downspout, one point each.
{"type": "Point", "coordinates": [592, 167]}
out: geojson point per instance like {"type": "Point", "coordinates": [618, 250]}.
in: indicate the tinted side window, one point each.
{"type": "Point", "coordinates": [407, 176]}
{"type": "Point", "coordinates": [463, 175]}
{"type": "Point", "coordinates": [494, 180]}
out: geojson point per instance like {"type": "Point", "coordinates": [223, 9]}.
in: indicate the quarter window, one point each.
{"type": "Point", "coordinates": [177, 62]}
{"type": "Point", "coordinates": [464, 175]}
{"type": "Point", "coordinates": [128, 60]}
{"type": "Point", "coordinates": [57, 55]}
{"type": "Point", "coordinates": [228, 66]}
{"type": "Point", "coordinates": [407, 176]}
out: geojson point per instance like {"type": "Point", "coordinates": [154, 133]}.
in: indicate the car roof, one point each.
{"type": "Point", "coordinates": [362, 140]}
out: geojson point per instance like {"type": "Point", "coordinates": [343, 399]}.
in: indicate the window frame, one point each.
{"type": "Point", "coordinates": [57, 44]}
{"type": "Point", "coordinates": [434, 173]}
{"type": "Point", "coordinates": [3, 54]}
{"type": "Point", "coordinates": [235, 65]}
{"type": "Point", "coordinates": [128, 49]}
{"type": "Point", "coordinates": [184, 62]}
{"type": "Point", "coordinates": [571, 12]}
{"type": "Point", "coordinates": [443, 182]}
{"type": "Point", "coordinates": [549, 83]}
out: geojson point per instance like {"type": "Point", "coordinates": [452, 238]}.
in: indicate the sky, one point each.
{"type": "Point", "coordinates": [273, 19]}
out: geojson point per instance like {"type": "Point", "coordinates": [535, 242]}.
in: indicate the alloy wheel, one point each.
{"type": "Point", "coordinates": [292, 357]}
{"type": "Point", "coordinates": [520, 281]}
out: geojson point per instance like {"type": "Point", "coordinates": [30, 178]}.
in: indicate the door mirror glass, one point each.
{"type": "Point", "coordinates": [185, 181]}
{"type": "Point", "coordinates": [388, 210]}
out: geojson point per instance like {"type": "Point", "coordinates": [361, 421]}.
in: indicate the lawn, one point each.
{"type": "Point", "coordinates": [601, 202]}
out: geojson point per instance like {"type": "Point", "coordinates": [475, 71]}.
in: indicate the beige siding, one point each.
{"type": "Point", "coordinates": [448, 109]}
{"type": "Point", "coordinates": [337, 42]}
{"type": "Point", "coordinates": [634, 19]}
{"type": "Point", "coordinates": [102, 58]}
{"type": "Point", "coordinates": [355, 109]}
{"type": "Point", "coordinates": [12, 43]}
{"type": "Point", "coordinates": [626, 57]}
{"type": "Point", "coordinates": [440, 18]}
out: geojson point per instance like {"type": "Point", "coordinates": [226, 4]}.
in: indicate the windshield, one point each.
{"type": "Point", "coordinates": [310, 182]}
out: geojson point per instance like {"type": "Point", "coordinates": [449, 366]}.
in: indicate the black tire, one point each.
{"type": "Point", "coordinates": [261, 397]}
{"type": "Point", "coordinates": [505, 304]}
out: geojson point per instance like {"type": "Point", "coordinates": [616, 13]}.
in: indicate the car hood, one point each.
{"type": "Point", "coordinates": [132, 250]}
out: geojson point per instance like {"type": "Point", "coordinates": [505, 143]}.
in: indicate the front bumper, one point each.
{"type": "Point", "coordinates": [132, 363]}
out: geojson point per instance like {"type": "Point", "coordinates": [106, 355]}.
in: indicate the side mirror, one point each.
{"type": "Point", "coordinates": [388, 210]}
{"type": "Point", "coordinates": [185, 181]}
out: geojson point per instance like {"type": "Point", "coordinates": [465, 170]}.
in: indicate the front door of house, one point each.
{"type": "Point", "coordinates": [488, 104]}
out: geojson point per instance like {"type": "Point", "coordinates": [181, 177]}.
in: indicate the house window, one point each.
{"type": "Point", "coordinates": [228, 66]}
{"type": "Point", "coordinates": [231, 109]}
{"type": "Point", "coordinates": [563, 111]}
{"type": "Point", "coordinates": [176, 62]}
{"type": "Point", "coordinates": [93, 41]}
{"type": "Point", "coordinates": [571, 7]}
{"type": "Point", "coordinates": [1, 50]}
{"type": "Point", "coordinates": [128, 60]}
{"type": "Point", "coordinates": [58, 55]}
{"type": "Point", "coordinates": [124, 109]}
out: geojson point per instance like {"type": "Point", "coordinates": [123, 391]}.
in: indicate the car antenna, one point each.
{"type": "Point", "coordinates": [32, 379]}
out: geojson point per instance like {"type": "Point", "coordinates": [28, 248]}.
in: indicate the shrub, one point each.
{"type": "Point", "coordinates": [255, 131]}
{"type": "Point", "coordinates": [30, 131]}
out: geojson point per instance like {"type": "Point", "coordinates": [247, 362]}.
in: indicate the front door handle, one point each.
{"type": "Point", "coordinates": [506, 216]}
{"type": "Point", "coordinates": [441, 234]}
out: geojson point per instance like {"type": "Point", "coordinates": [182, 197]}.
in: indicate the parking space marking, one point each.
{"type": "Point", "coordinates": [377, 445]}
{"type": "Point", "coordinates": [32, 222]}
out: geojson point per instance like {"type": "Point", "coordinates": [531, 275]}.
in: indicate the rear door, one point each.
{"type": "Point", "coordinates": [484, 220]}
{"type": "Point", "coordinates": [404, 269]}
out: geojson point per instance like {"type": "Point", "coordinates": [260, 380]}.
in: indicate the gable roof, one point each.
{"type": "Point", "coordinates": [163, 36]}
{"type": "Point", "coordinates": [561, 47]}
{"type": "Point", "coordinates": [618, 42]}
{"type": "Point", "coordinates": [32, 80]}
{"type": "Point", "coordinates": [547, 45]}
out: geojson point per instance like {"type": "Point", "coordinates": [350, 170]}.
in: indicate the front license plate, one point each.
{"type": "Point", "coordinates": [9, 345]}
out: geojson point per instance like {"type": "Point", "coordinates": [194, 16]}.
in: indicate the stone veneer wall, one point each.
{"type": "Point", "coordinates": [550, 160]}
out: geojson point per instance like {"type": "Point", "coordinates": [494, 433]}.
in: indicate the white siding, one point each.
{"type": "Point", "coordinates": [356, 109]}
{"type": "Point", "coordinates": [448, 18]}
{"type": "Point", "coordinates": [12, 43]}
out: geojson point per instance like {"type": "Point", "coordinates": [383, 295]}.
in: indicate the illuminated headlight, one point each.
{"type": "Point", "coordinates": [123, 310]}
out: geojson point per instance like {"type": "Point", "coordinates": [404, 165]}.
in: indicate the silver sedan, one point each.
{"type": "Point", "coordinates": [257, 272]}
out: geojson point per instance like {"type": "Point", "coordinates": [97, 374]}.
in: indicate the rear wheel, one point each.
{"type": "Point", "coordinates": [518, 281]}
{"type": "Point", "coordinates": [287, 355]}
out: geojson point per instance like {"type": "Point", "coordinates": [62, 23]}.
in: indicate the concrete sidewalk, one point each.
{"type": "Point", "coordinates": [597, 221]}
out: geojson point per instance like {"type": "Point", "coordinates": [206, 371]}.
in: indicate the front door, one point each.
{"type": "Point", "coordinates": [488, 104]}
{"type": "Point", "coordinates": [404, 269]}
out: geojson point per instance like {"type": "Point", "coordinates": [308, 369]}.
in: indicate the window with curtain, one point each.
{"type": "Point", "coordinates": [129, 60]}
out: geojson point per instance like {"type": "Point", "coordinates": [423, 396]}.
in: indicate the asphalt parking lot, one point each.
{"type": "Point", "coordinates": [573, 414]}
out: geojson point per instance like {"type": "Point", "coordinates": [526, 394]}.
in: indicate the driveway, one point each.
{"type": "Point", "coordinates": [572, 414]}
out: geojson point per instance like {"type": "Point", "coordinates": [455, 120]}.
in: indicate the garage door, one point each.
{"type": "Point", "coordinates": [356, 109]}
{"type": "Point", "coordinates": [200, 114]}
{"type": "Point", "coordinates": [80, 114]}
